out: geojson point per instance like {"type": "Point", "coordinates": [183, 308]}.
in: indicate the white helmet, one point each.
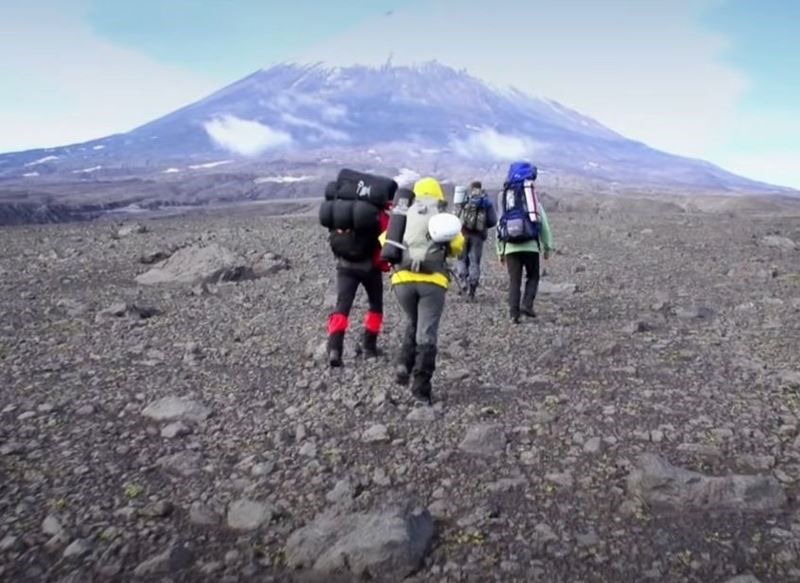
{"type": "Point", "coordinates": [444, 227]}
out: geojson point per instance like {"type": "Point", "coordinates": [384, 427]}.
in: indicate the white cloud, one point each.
{"type": "Point", "coordinates": [492, 145]}
{"type": "Point", "coordinates": [101, 88]}
{"type": "Point", "coordinates": [644, 69]}
{"type": "Point", "coordinates": [245, 137]}
{"type": "Point", "coordinates": [407, 177]}
{"type": "Point", "coordinates": [324, 131]}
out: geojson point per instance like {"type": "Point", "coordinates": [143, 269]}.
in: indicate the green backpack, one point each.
{"type": "Point", "coordinates": [473, 215]}
{"type": "Point", "coordinates": [420, 253]}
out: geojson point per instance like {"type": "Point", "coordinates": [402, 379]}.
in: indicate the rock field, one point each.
{"type": "Point", "coordinates": [165, 414]}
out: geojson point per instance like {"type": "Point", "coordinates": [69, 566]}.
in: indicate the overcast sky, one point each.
{"type": "Point", "coordinates": [714, 79]}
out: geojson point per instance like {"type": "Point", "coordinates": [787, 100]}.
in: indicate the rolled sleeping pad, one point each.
{"type": "Point", "coordinates": [343, 214]}
{"type": "Point", "coordinates": [460, 195]}
{"type": "Point", "coordinates": [326, 214]}
{"type": "Point", "coordinates": [366, 217]}
{"type": "Point", "coordinates": [355, 215]}
{"type": "Point", "coordinates": [330, 190]}
{"type": "Point", "coordinates": [375, 189]}
{"type": "Point", "coordinates": [392, 250]}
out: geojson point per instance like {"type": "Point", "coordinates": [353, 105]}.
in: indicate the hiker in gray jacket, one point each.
{"type": "Point", "coordinates": [478, 215]}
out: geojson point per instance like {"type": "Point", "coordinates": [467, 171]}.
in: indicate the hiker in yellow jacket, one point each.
{"type": "Point", "coordinates": [421, 284]}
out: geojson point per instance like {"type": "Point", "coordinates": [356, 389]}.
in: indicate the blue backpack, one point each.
{"type": "Point", "coordinates": [518, 223]}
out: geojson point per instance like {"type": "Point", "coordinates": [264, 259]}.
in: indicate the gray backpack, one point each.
{"type": "Point", "coordinates": [420, 253]}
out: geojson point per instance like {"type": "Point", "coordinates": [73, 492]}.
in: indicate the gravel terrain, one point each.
{"type": "Point", "coordinates": [645, 427]}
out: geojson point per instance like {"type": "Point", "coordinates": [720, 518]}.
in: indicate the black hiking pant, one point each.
{"type": "Point", "coordinates": [516, 263]}
{"type": "Point", "coordinates": [347, 283]}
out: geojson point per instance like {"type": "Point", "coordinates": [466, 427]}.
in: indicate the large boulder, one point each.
{"type": "Point", "coordinates": [778, 242]}
{"type": "Point", "coordinates": [484, 439]}
{"type": "Point", "coordinates": [382, 546]}
{"type": "Point", "coordinates": [174, 408]}
{"type": "Point", "coordinates": [211, 263]}
{"type": "Point", "coordinates": [659, 483]}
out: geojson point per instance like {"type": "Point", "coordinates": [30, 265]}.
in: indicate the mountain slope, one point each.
{"type": "Point", "coordinates": [429, 118]}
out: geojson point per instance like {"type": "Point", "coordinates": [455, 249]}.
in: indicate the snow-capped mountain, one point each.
{"type": "Point", "coordinates": [429, 118]}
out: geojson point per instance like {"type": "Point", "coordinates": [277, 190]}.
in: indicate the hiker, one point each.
{"type": "Point", "coordinates": [429, 237]}
{"type": "Point", "coordinates": [356, 213]}
{"type": "Point", "coordinates": [477, 214]}
{"type": "Point", "coordinates": [523, 233]}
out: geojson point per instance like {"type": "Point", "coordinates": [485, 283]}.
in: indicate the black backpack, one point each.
{"type": "Point", "coordinates": [353, 225]}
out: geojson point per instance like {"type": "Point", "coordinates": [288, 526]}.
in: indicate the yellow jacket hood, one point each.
{"type": "Point", "coordinates": [429, 188]}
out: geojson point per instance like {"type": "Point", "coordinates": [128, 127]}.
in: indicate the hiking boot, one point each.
{"type": "Point", "coordinates": [370, 345]}
{"type": "Point", "coordinates": [421, 388]}
{"type": "Point", "coordinates": [402, 375]}
{"type": "Point", "coordinates": [472, 289]}
{"type": "Point", "coordinates": [335, 349]}
{"type": "Point", "coordinates": [529, 313]}
{"type": "Point", "coordinates": [424, 367]}
{"type": "Point", "coordinates": [405, 362]}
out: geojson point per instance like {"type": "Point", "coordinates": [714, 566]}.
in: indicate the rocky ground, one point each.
{"type": "Point", "coordinates": [644, 427]}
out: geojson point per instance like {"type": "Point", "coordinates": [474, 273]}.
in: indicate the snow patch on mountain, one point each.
{"type": "Point", "coordinates": [30, 174]}
{"type": "Point", "coordinates": [87, 170]}
{"type": "Point", "coordinates": [171, 171]}
{"type": "Point", "coordinates": [323, 130]}
{"type": "Point", "coordinates": [495, 145]}
{"type": "Point", "coordinates": [210, 165]}
{"type": "Point", "coordinates": [281, 179]}
{"type": "Point", "coordinates": [245, 137]}
{"type": "Point", "coordinates": [44, 160]}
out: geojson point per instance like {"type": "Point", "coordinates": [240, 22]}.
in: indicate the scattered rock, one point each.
{"type": "Point", "coordinates": [388, 545]}
{"type": "Point", "coordinates": [175, 559]}
{"type": "Point", "coordinates": [73, 308]}
{"type": "Point", "coordinates": [78, 548]}
{"type": "Point", "coordinates": [657, 482]}
{"type": "Point", "coordinates": [202, 515]}
{"type": "Point", "coordinates": [131, 229]}
{"type": "Point", "coordinates": [52, 527]}
{"type": "Point", "coordinates": [743, 579]}
{"type": "Point", "coordinates": [269, 264]}
{"type": "Point", "coordinates": [550, 288]}
{"type": "Point", "coordinates": [7, 543]}
{"type": "Point", "coordinates": [422, 415]}
{"type": "Point", "coordinates": [376, 434]}
{"type": "Point", "coordinates": [563, 479]}
{"type": "Point", "coordinates": [248, 514]}
{"type": "Point", "coordinates": [176, 408]}
{"type": "Point", "coordinates": [158, 509]}
{"type": "Point", "coordinates": [176, 429]}
{"type": "Point", "coordinates": [695, 313]}
{"type": "Point", "coordinates": [593, 445]}
{"type": "Point", "coordinates": [484, 439]}
{"type": "Point", "coordinates": [343, 493]}
{"type": "Point", "coordinates": [125, 310]}
{"type": "Point", "coordinates": [183, 464]}
{"type": "Point", "coordinates": [778, 242]}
